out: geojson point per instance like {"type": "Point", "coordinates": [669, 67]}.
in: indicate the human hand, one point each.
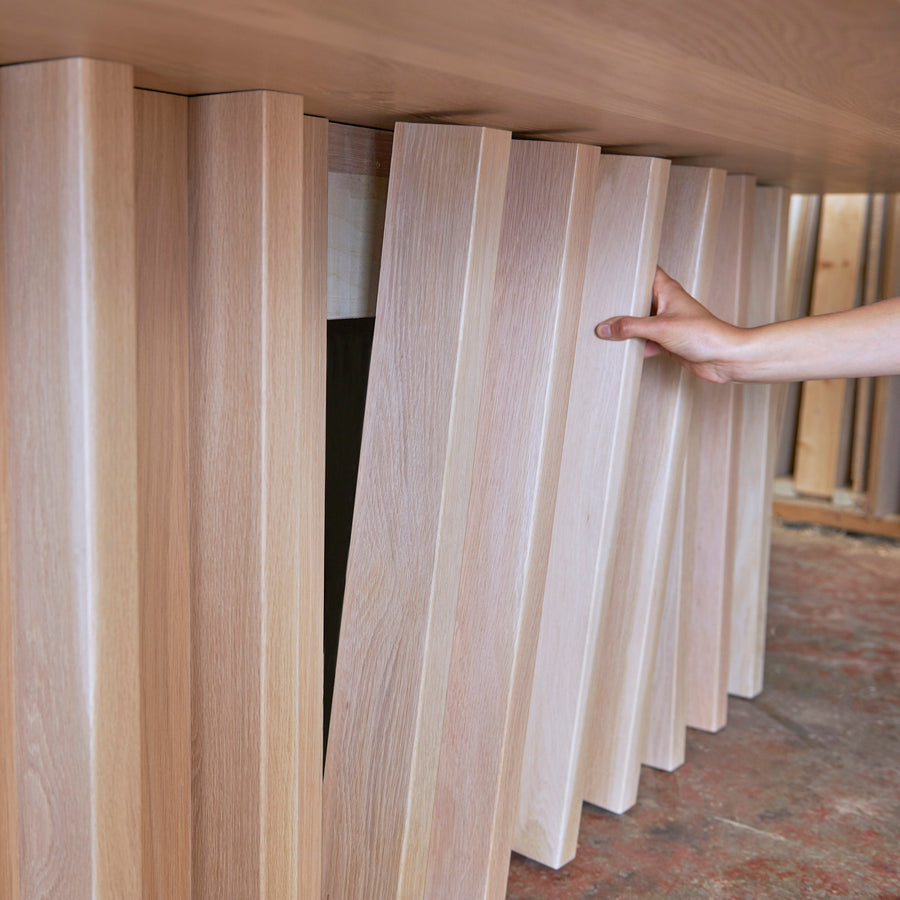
{"type": "Point", "coordinates": [683, 328]}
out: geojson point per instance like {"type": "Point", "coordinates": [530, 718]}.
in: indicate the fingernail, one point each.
{"type": "Point", "coordinates": [603, 331]}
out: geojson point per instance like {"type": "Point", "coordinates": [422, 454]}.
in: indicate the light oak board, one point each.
{"type": "Point", "coordinates": [67, 133]}
{"type": "Point", "coordinates": [442, 230]}
{"type": "Point", "coordinates": [621, 264]}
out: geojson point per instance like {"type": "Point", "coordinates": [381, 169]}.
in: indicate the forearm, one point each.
{"type": "Point", "coordinates": [852, 344]}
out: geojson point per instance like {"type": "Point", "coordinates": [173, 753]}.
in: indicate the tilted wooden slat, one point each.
{"type": "Point", "coordinates": [442, 231]}
{"type": "Point", "coordinates": [803, 230]}
{"type": "Point", "coordinates": [835, 287]}
{"type": "Point", "coordinates": [622, 260]}
{"type": "Point", "coordinates": [9, 816]}
{"type": "Point", "coordinates": [161, 200]}
{"type": "Point", "coordinates": [687, 245]}
{"type": "Point", "coordinates": [257, 362]}
{"type": "Point", "coordinates": [756, 456]}
{"type": "Point", "coordinates": [544, 247]}
{"type": "Point", "coordinates": [630, 626]}
{"type": "Point", "coordinates": [711, 475]}
{"type": "Point", "coordinates": [67, 133]}
{"type": "Point", "coordinates": [884, 464]}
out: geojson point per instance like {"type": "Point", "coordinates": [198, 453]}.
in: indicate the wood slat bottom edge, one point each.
{"type": "Point", "coordinates": [809, 512]}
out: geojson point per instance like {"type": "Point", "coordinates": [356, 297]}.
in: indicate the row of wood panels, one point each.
{"type": "Point", "coordinates": [798, 93]}
{"type": "Point", "coordinates": [529, 509]}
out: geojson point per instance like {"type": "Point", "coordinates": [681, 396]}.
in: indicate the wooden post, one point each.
{"type": "Point", "coordinates": [67, 133]}
{"type": "Point", "coordinates": [622, 262]}
{"type": "Point", "coordinates": [257, 473]}
{"type": "Point", "coordinates": [442, 230]}
{"type": "Point", "coordinates": [161, 195]}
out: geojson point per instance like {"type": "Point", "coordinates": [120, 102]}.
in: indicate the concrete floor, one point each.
{"type": "Point", "coordinates": [799, 796]}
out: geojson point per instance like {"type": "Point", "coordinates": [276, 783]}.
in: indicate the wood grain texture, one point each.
{"type": "Point", "coordinates": [799, 93]}
{"type": "Point", "coordinates": [756, 455]}
{"type": "Point", "coordinates": [161, 256]}
{"type": "Point", "coordinates": [835, 285]}
{"type": "Point", "coordinates": [803, 231]}
{"type": "Point", "coordinates": [67, 133]}
{"type": "Point", "coordinates": [359, 162]}
{"type": "Point", "coordinates": [884, 464]}
{"type": "Point", "coordinates": [624, 242]}
{"type": "Point", "coordinates": [9, 815]}
{"type": "Point", "coordinates": [257, 358]}
{"type": "Point", "coordinates": [629, 630]}
{"type": "Point", "coordinates": [442, 231]}
{"type": "Point", "coordinates": [862, 419]}
{"type": "Point", "coordinates": [689, 235]}
{"type": "Point", "coordinates": [544, 246]}
{"type": "Point", "coordinates": [712, 475]}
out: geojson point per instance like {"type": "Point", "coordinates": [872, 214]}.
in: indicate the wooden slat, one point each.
{"type": "Point", "coordinates": [161, 250]}
{"type": "Point", "coordinates": [257, 362]}
{"type": "Point", "coordinates": [821, 512]}
{"type": "Point", "coordinates": [67, 134]}
{"type": "Point", "coordinates": [803, 229]}
{"type": "Point", "coordinates": [624, 246]}
{"type": "Point", "coordinates": [9, 817]}
{"type": "Point", "coordinates": [835, 285]}
{"type": "Point", "coordinates": [442, 231]}
{"type": "Point", "coordinates": [629, 629]}
{"type": "Point", "coordinates": [690, 232]}
{"type": "Point", "coordinates": [756, 456]}
{"type": "Point", "coordinates": [544, 247]}
{"type": "Point", "coordinates": [884, 472]}
{"type": "Point", "coordinates": [711, 478]}
{"type": "Point", "coordinates": [862, 424]}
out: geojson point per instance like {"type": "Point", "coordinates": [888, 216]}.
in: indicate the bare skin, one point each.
{"type": "Point", "coordinates": [860, 342]}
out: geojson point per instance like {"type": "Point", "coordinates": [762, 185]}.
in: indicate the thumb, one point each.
{"type": "Point", "coordinates": [622, 328]}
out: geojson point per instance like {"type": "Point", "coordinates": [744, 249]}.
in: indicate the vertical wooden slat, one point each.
{"type": "Point", "coordinates": [161, 249]}
{"type": "Point", "coordinates": [835, 285]}
{"type": "Point", "coordinates": [884, 467]}
{"type": "Point", "coordinates": [442, 230]}
{"type": "Point", "coordinates": [871, 289]}
{"type": "Point", "coordinates": [803, 229]}
{"type": "Point", "coordinates": [756, 456]}
{"type": "Point", "coordinates": [543, 252]}
{"type": "Point", "coordinates": [67, 134]}
{"type": "Point", "coordinates": [257, 431]}
{"type": "Point", "coordinates": [621, 263]}
{"type": "Point", "coordinates": [629, 630]}
{"type": "Point", "coordinates": [711, 479]}
{"type": "Point", "coordinates": [649, 554]}
{"type": "Point", "coordinates": [9, 817]}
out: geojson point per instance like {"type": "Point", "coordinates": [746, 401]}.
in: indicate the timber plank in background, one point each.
{"type": "Point", "coordinates": [803, 229]}
{"type": "Point", "coordinates": [862, 424]}
{"type": "Point", "coordinates": [161, 255]}
{"type": "Point", "coordinates": [629, 631]}
{"type": "Point", "coordinates": [257, 433]}
{"type": "Point", "coordinates": [544, 247]}
{"type": "Point", "coordinates": [756, 459]}
{"type": "Point", "coordinates": [622, 261]}
{"type": "Point", "coordinates": [689, 236]}
{"type": "Point", "coordinates": [712, 475]}
{"type": "Point", "coordinates": [442, 231]}
{"type": "Point", "coordinates": [835, 285]}
{"type": "Point", "coordinates": [884, 463]}
{"type": "Point", "coordinates": [67, 133]}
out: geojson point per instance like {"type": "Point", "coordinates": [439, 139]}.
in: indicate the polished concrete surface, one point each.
{"type": "Point", "coordinates": [799, 796]}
